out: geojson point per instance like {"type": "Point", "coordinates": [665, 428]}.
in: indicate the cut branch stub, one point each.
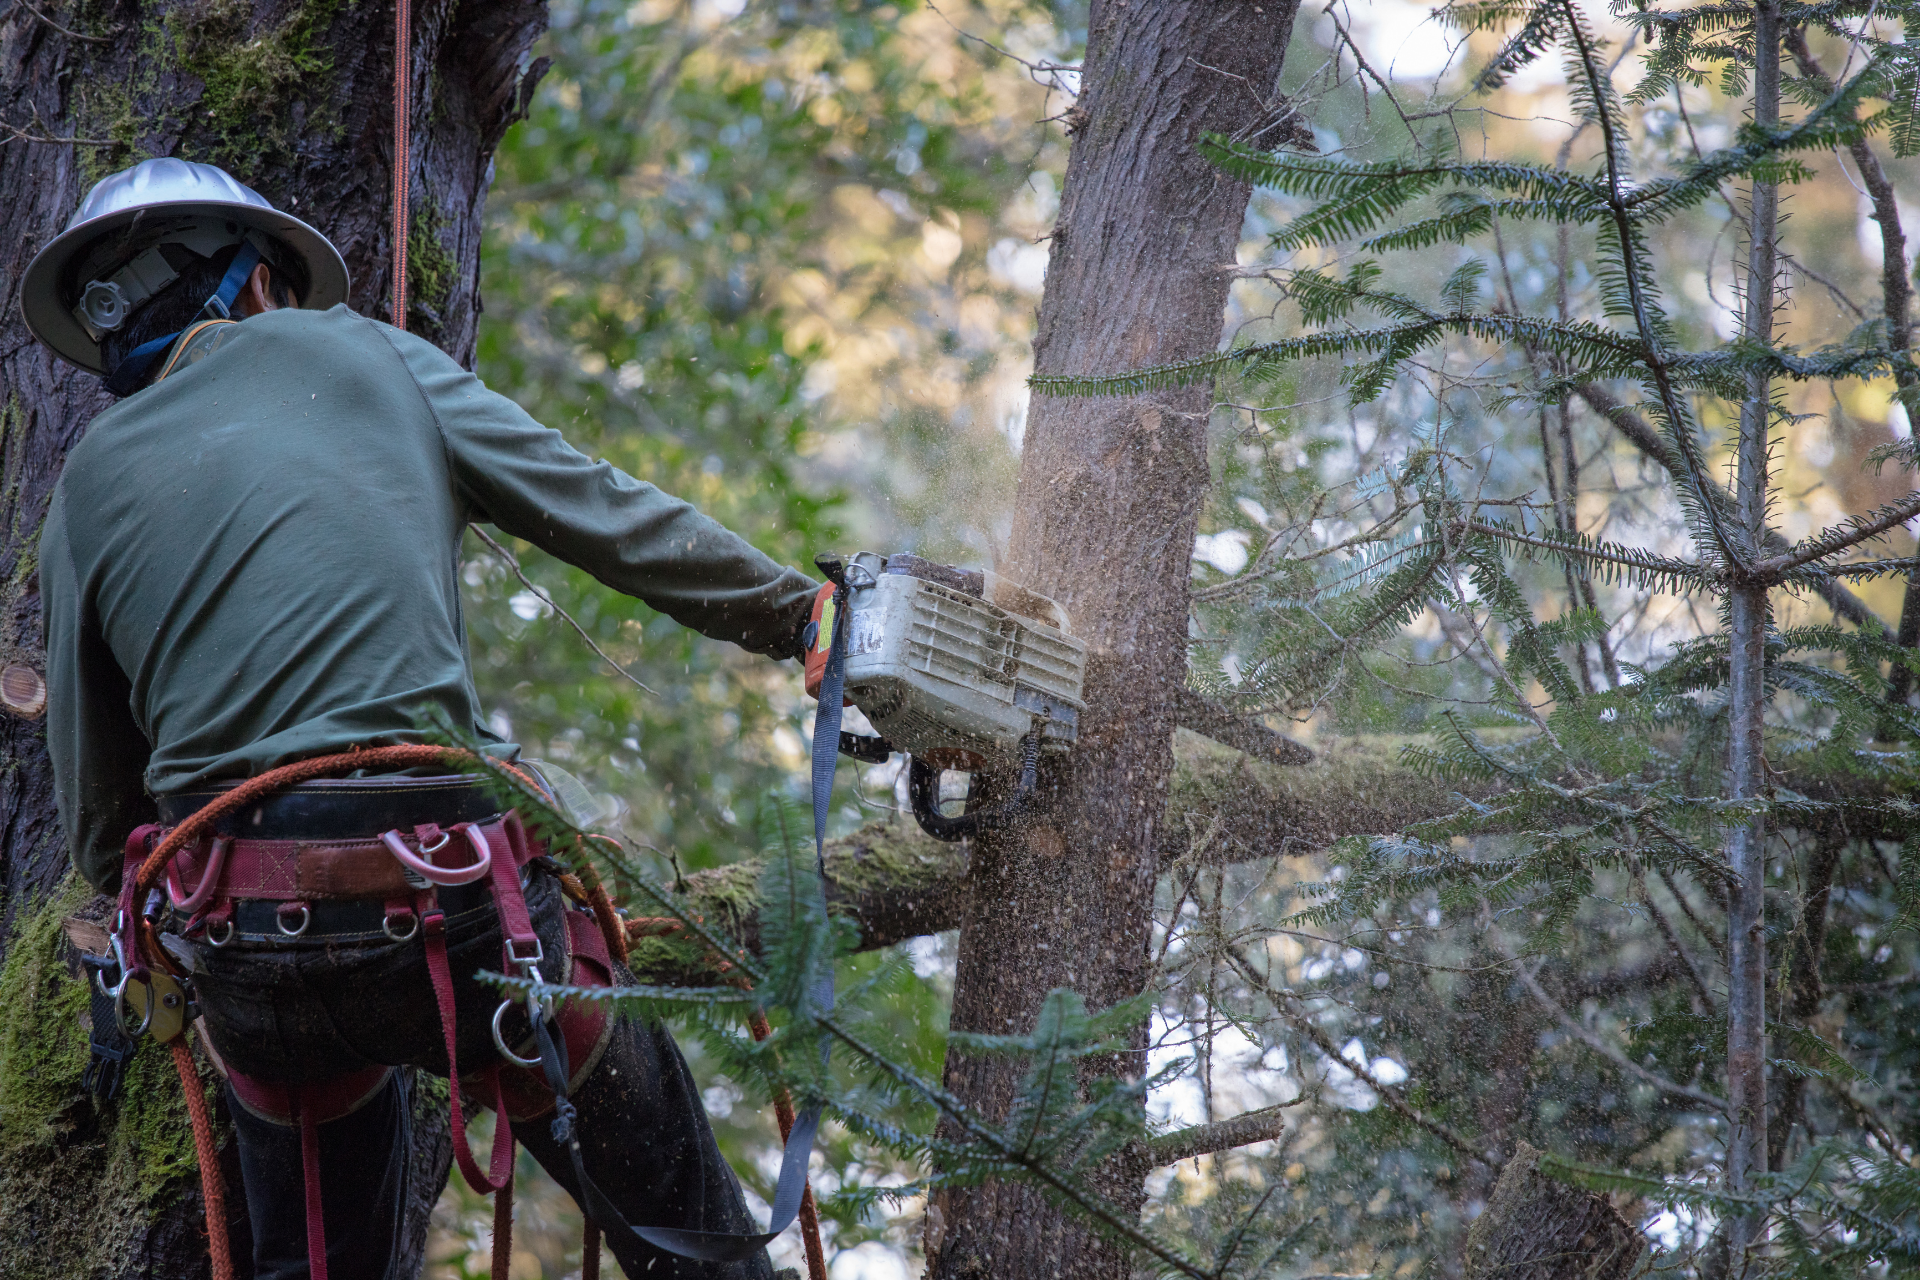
{"type": "Point", "coordinates": [1263, 1125]}
{"type": "Point", "coordinates": [23, 691]}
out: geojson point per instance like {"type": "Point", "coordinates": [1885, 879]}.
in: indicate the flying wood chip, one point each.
{"type": "Point", "coordinates": [23, 690]}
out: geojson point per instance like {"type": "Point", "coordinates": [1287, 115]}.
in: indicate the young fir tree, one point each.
{"type": "Point", "coordinates": [1634, 938]}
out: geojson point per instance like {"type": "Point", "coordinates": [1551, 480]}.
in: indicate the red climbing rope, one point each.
{"type": "Point", "coordinates": [402, 122]}
{"type": "Point", "coordinates": [212, 1186]}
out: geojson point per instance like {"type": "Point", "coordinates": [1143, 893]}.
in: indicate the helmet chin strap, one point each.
{"type": "Point", "coordinates": [127, 374]}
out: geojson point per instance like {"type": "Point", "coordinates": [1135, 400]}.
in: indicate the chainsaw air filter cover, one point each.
{"type": "Point", "coordinates": [959, 665]}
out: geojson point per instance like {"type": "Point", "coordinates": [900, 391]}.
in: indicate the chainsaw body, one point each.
{"type": "Point", "coordinates": [955, 669]}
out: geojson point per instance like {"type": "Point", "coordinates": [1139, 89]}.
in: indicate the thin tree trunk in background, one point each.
{"type": "Point", "coordinates": [1110, 493]}
{"type": "Point", "coordinates": [297, 106]}
{"type": "Point", "coordinates": [1746, 768]}
{"type": "Point", "coordinates": [1896, 301]}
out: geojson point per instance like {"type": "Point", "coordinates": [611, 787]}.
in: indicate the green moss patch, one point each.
{"type": "Point", "coordinates": [79, 1180]}
{"type": "Point", "coordinates": [252, 105]}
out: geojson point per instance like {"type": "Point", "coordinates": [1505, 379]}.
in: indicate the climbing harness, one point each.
{"type": "Point", "coordinates": [195, 870]}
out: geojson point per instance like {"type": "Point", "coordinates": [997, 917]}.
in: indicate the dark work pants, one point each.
{"type": "Point", "coordinates": [313, 1010]}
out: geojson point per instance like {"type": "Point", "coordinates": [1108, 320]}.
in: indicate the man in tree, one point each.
{"type": "Point", "coordinates": [252, 560]}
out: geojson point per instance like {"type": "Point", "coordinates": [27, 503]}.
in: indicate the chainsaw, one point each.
{"type": "Point", "coordinates": [956, 669]}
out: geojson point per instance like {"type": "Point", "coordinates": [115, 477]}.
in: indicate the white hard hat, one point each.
{"type": "Point", "coordinates": [93, 274]}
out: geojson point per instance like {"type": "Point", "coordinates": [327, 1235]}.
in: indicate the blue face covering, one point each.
{"type": "Point", "coordinates": [127, 374]}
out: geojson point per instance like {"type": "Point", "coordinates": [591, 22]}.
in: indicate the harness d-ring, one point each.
{"type": "Point", "coordinates": [537, 1009]}
{"type": "Point", "coordinates": [120, 1005]}
{"type": "Point", "coordinates": [224, 938]}
{"type": "Point", "coordinates": [413, 927]}
{"type": "Point", "coordinates": [306, 918]}
{"type": "Point", "coordinates": [500, 1041]}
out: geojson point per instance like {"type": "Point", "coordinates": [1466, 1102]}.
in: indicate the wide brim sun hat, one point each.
{"type": "Point", "coordinates": [126, 211]}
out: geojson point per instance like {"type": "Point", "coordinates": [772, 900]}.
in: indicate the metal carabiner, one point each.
{"type": "Point", "coordinates": [445, 877]}
{"type": "Point", "coordinates": [209, 878]}
{"type": "Point", "coordinates": [119, 960]}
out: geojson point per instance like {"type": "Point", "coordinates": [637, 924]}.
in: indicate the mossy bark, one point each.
{"type": "Point", "coordinates": [294, 98]}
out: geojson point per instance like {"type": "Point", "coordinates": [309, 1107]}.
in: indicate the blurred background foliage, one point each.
{"type": "Point", "coordinates": [782, 258]}
{"type": "Point", "coordinates": [778, 259]}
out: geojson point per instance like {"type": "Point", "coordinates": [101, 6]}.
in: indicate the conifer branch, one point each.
{"type": "Point", "coordinates": [1222, 1135]}
{"type": "Point", "coordinates": [1283, 1001]}
{"type": "Point", "coordinates": [1606, 1050]}
{"type": "Point", "coordinates": [1836, 540]}
{"type": "Point", "coordinates": [1678, 423]}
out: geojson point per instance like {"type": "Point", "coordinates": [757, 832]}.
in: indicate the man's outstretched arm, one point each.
{"type": "Point", "coordinates": [630, 535]}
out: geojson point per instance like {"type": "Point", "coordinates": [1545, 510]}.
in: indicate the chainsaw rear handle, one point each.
{"type": "Point", "coordinates": [923, 793]}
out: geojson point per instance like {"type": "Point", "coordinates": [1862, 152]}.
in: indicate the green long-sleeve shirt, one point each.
{"type": "Point", "coordinates": [255, 560]}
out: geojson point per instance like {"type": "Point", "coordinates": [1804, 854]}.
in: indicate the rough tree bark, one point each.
{"type": "Point", "coordinates": [1537, 1229]}
{"type": "Point", "coordinates": [1109, 496]}
{"type": "Point", "coordinates": [294, 98]}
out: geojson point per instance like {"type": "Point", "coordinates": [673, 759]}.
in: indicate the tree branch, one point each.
{"type": "Point", "coordinates": [1263, 1125]}
{"type": "Point", "coordinates": [1839, 539]}
{"type": "Point", "coordinates": [65, 31]}
{"type": "Point", "coordinates": [1283, 1001]}
{"type": "Point", "coordinates": [1607, 1051]}
{"type": "Point", "coordinates": [513, 563]}
{"type": "Point", "coordinates": [888, 878]}
{"type": "Point", "coordinates": [1211, 720]}
{"type": "Point", "coordinates": [1644, 438]}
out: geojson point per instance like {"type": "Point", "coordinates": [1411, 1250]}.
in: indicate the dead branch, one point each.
{"type": "Point", "coordinates": [513, 562]}
{"type": "Point", "coordinates": [1263, 1125]}
{"type": "Point", "coordinates": [1610, 1053]}
{"type": "Point", "coordinates": [1284, 1004]}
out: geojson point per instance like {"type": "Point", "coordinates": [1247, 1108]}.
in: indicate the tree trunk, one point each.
{"type": "Point", "coordinates": [1747, 625]}
{"type": "Point", "coordinates": [295, 100]}
{"type": "Point", "coordinates": [1110, 493]}
{"type": "Point", "coordinates": [1537, 1229]}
